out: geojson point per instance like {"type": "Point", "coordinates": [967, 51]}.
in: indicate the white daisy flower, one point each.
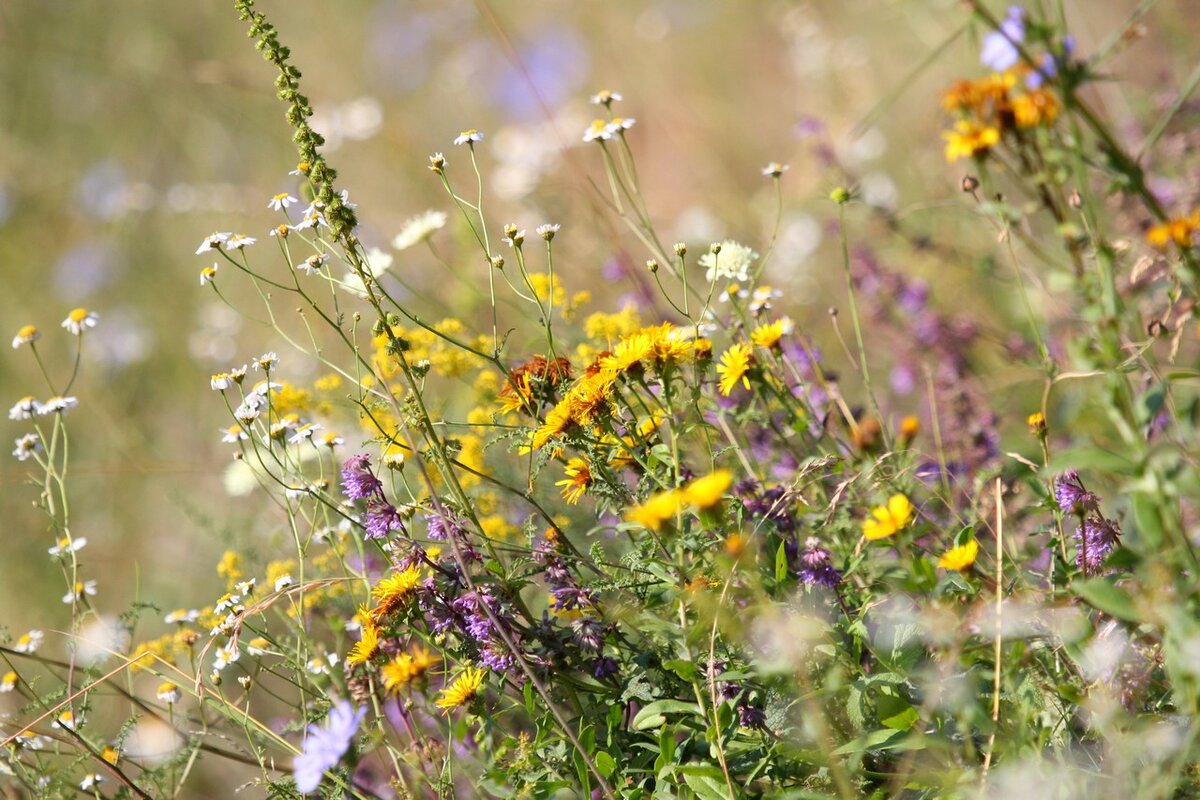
{"type": "Point", "coordinates": [731, 291]}
{"type": "Point", "coordinates": [208, 274]}
{"type": "Point", "coordinates": [318, 665]}
{"type": "Point", "coordinates": [729, 260]}
{"type": "Point", "coordinates": [331, 439]}
{"type": "Point", "coordinates": [91, 781]}
{"type": "Point", "coordinates": [238, 241]}
{"type": "Point", "coordinates": [303, 432]}
{"type": "Point", "coordinates": [80, 319]}
{"type": "Point", "coordinates": [8, 682]}
{"type": "Point", "coordinates": [775, 169]}
{"type": "Point", "coordinates": [26, 334]}
{"type": "Point", "coordinates": [597, 130]}
{"type": "Point", "coordinates": [283, 581]}
{"type": "Point", "coordinates": [246, 587]}
{"type": "Point", "coordinates": [379, 261]}
{"type": "Point", "coordinates": [67, 721]}
{"type": "Point", "coordinates": [30, 740]}
{"type": "Point", "coordinates": [26, 446]}
{"type": "Point", "coordinates": [169, 693]}
{"type": "Point", "coordinates": [548, 230]}
{"type": "Point", "coordinates": [419, 228]}
{"type": "Point", "coordinates": [66, 545]}
{"type": "Point", "coordinates": [605, 97]}
{"type": "Point", "coordinates": [281, 201]}
{"type": "Point", "coordinates": [266, 361]}
{"type": "Point", "coordinates": [246, 413]}
{"type": "Point", "coordinates": [29, 642]}
{"type": "Point", "coordinates": [310, 219]}
{"type": "Point", "coordinates": [234, 434]}
{"type": "Point", "coordinates": [25, 408]}
{"type": "Point", "coordinates": [345, 195]}
{"type": "Point", "coordinates": [437, 162]}
{"type": "Point", "coordinates": [620, 124]}
{"type": "Point", "coordinates": [258, 646]}
{"type": "Point", "coordinates": [82, 589]}
{"type": "Point", "coordinates": [470, 137]}
{"type": "Point", "coordinates": [58, 404]}
{"type": "Point", "coordinates": [516, 239]}
{"type": "Point", "coordinates": [761, 301]}
{"type": "Point", "coordinates": [181, 615]}
{"type": "Point", "coordinates": [213, 242]}
{"type": "Point", "coordinates": [312, 265]}
{"type": "Point", "coordinates": [220, 381]}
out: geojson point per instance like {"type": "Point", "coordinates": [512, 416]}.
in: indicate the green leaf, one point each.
{"type": "Point", "coordinates": [1103, 594]}
{"type": "Point", "coordinates": [654, 715]}
{"type": "Point", "coordinates": [606, 765]}
{"type": "Point", "coordinates": [781, 565]}
{"type": "Point", "coordinates": [895, 712]}
{"type": "Point", "coordinates": [686, 670]}
{"type": "Point", "coordinates": [706, 787]}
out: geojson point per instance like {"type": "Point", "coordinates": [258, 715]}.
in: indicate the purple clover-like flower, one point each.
{"type": "Point", "coordinates": [357, 479]}
{"type": "Point", "coordinates": [751, 717]}
{"type": "Point", "coordinates": [1095, 539]}
{"type": "Point", "coordinates": [326, 744]}
{"type": "Point", "coordinates": [381, 518]}
{"type": "Point", "coordinates": [814, 567]}
{"type": "Point", "coordinates": [604, 666]}
{"type": "Point", "coordinates": [1071, 496]}
{"type": "Point", "coordinates": [999, 50]}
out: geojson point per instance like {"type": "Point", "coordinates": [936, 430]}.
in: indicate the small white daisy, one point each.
{"type": "Point", "coordinates": [220, 381]}
{"type": "Point", "coordinates": [318, 665]}
{"type": "Point", "coordinates": [775, 169]}
{"type": "Point", "coordinates": [258, 646]}
{"type": "Point", "coordinates": [281, 201]}
{"type": "Point", "coordinates": [67, 721]}
{"type": "Point", "coordinates": [606, 97]}
{"type": "Point", "coordinates": [246, 587]}
{"type": "Point", "coordinates": [345, 195]}
{"type": "Point", "coordinates": [419, 228]}
{"type": "Point", "coordinates": [208, 274]}
{"type": "Point", "coordinates": [58, 404]}
{"type": "Point", "coordinates": [331, 439]}
{"type": "Point", "coordinates": [310, 219]}
{"type": "Point", "coordinates": [26, 334]}
{"type": "Point", "coordinates": [8, 682]}
{"type": "Point", "coordinates": [437, 162]}
{"type": "Point", "coordinates": [238, 241]}
{"type": "Point", "coordinates": [597, 130]}
{"type": "Point", "coordinates": [181, 615]}
{"type": "Point", "coordinates": [29, 642]}
{"type": "Point", "coordinates": [66, 545]}
{"type": "Point", "coordinates": [620, 124]}
{"type": "Point", "coordinates": [91, 781]}
{"type": "Point", "coordinates": [548, 230]}
{"type": "Point", "coordinates": [234, 434]}
{"type": "Point", "coordinates": [79, 319]}
{"type": "Point", "coordinates": [265, 362]}
{"type": "Point", "coordinates": [26, 446]}
{"type": "Point", "coordinates": [312, 265]}
{"type": "Point", "coordinates": [469, 137]}
{"type": "Point", "coordinates": [283, 581]}
{"type": "Point", "coordinates": [303, 432]}
{"type": "Point", "coordinates": [213, 242]}
{"type": "Point", "coordinates": [82, 589]}
{"type": "Point", "coordinates": [516, 239]}
{"type": "Point", "coordinates": [25, 408]}
{"type": "Point", "coordinates": [168, 693]}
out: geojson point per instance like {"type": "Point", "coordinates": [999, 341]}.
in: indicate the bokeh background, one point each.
{"type": "Point", "coordinates": [131, 129]}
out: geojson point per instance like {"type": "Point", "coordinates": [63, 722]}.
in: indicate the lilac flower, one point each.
{"type": "Point", "coordinates": [604, 666]}
{"type": "Point", "coordinates": [999, 51]}
{"type": "Point", "coordinates": [1096, 537]}
{"type": "Point", "coordinates": [1070, 495]}
{"type": "Point", "coordinates": [382, 517]}
{"type": "Point", "coordinates": [751, 717]}
{"type": "Point", "coordinates": [815, 568]}
{"type": "Point", "coordinates": [496, 657]}
{"type": "Point", "coordinates": [325, 745]}
{"type": "Point", "coordinates": [357, 479]}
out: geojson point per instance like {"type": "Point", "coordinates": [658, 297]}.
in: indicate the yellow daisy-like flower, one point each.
{"type": "Point", "coordinates": [706, 492]}
{"type": "Point", "coordinates": [365, 647]}
{"type": "Point", "coordinates": [960, 558]}
{"type": "Point", "coordinates": [394, 590]}
{"type": "Point", "coordinates": [969, 138]}
{"type": "Point", "coordinates": [1036, 107]}
{"type": "Point", "coordinates": [462, 690]}
{"type": "Point", "coordinates": [111, 755]}
{"type": "Point", "coordinates": [768, 335]}
{"type": "Point", "coordinates": [557, 420]}
{"type": "Point", "coordinates": [657, 510]}
{"type": "Point", "coordinates": [406, 668]}
{"type": "Point", "coordinates": [1179, 230]}
{"type": "Point", "coordinates": [1037, 423]}
{"type": "Point", "coordinates": [735, 363]}
{"type": "Point", "coordinates": [886, 520]}
{"type": "Point", "coordinates": [628, 355]}
{"type": "Point", "coordinates": [579, 478]}
{"type": "Point", "coordinates": [26, 334]}
{"type": "Point", "coordinates": [588, 398]}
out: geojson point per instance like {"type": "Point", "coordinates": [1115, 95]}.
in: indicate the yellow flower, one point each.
{"type": "Point", "coordinates": [578, 479]}
{"type": "Point", "coordinates": [110, 754]}
{"type": "Point", "coordinates": [1037, 423]}
{"type": "Point", "coordinates": [462, 690]}
{"type": "Point", "coordinates": [230, 567]}
{"type": "Point", "coordinates": [657, 510]}
{"type": "Point", "coordinates": [768, 335]}
{"type": "Point", "coordinates": [735, 363]}
{"type": "Point", "coordinates": [1179, 230]}
{"type": "Point", "coordinates": [169, 693]}
{"type": "Point", "coordinates": [886, 520]}
{"type": "Point", "coordinates": [406, 668]}
{"type": "Point", "coordinates": [588, 398]}
{"type": "Point", "coordinates": [627, 356]}
{"type": "Point", "coordinates": [1036, 107]}
{"type": "Point", "coordinates": [557, 420]}
{"type": "Point", "coordinates": [365, 647]}
{"type": "Point", "coordinates": [960, 558]}
{"type": "Point", "coordinates": [8, 682]}
{"type": "Point", "coordinates": [393, 590]}
{"type": "Point", "coordinates": [706, 492]}
{"type": "Point", "coordinates": [969, 138]}
{"type": "Point", "coordinates": [910, 426]}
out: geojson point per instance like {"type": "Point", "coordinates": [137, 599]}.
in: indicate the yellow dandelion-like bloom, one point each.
{"type": "Point", "coordinates": [735, 363]}
{"type": "Point", "coordinates": [706, 492]}
{"type": "Point", "coordinates": [969, 138]}
{"type": "Point", "coordinates": [960, 558]}
{"type": "Point", "coordinates": [1036, 107]}
{"type": "Point", "coordinates": [1037, 423]}
{"type": "Point", "coordinates": [588, 398]}
{"type": "Point", "coordinates": [365, 647]}
{"type": "Point", "coordinates": [406, 668]}
{"type": "Point", "coordinates": [464, 688]}
{"type": "Point", "coordinates": [557, 420]}
{"type": "Point", "coordinates": [627, 356]}
{"type": "Point", "coordinates": [1179, 230]}
{"type": "Point", "coordinates": [230, 567]}
{"type": "Point", "coordinates": [886, 520]}
{"type": "Point", "coordinates": [579, 478]}
{"type": "Point", "coordinates": [394, 590]}
{"type": "Point", "coordinates": [768, 335]}
{"type": "Point", "coordinates": [657, 510]}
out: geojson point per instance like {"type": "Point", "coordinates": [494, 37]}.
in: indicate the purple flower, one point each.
{"type": "Point", "coordinates": [999, 51]}
{"type": "Point", "coordinates": [357, 479]}
{"type": "Point", "coordinates": [751, 717]}
{"type": "Point", "coordinates": [604, 666]}
{"type": "Point", "coordinates": [325, 745]}
{"type": "Point", "coordinates": [1070, 495]}
{"type": "Point", "coordinates": [1096, 538]}
{"type": "Point", "coordinates": [382, 517]}
{"type": "Point", "coordinates": [815, 568]}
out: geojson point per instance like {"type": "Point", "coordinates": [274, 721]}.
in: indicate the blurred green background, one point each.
{"type": "Point", "coordinates": [131, 129]}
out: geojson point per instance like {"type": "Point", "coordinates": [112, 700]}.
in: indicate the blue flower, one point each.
{"type": "Point", "coordinates": [1000, 47]}
{"type": "Point", "coordinates": [325, 746]}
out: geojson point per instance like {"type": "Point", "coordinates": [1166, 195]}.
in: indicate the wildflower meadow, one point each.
{"type": "Point", "coordinates": [591, 454]}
